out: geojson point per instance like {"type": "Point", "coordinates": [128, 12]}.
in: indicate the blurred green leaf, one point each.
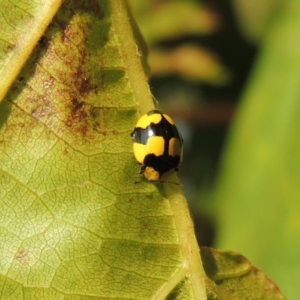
{"type": "Point", "coordinates": [73, 223]}
{"type": "Point", "coordinates": [176, 20]}
{"type": "Point", "coordinates": [255, 17]}
{"type": "Point", "coordinates": [259, 188]}
{"type": "Point", "coordinates": [166, 20]}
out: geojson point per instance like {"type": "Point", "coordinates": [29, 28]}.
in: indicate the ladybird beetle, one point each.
{"type": "Point", "coordinates": [157, 145]}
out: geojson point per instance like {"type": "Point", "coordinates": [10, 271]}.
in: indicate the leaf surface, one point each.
{"type": "Point", "coordinates": [73, 223]}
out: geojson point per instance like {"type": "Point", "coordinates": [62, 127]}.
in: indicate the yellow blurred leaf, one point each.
{"type": "Point", "coordinates": [173, 19]}
{"type": "Point", "coordinates": [188, 61]}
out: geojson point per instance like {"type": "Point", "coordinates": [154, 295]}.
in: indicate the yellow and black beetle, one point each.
{"type": "Point", "coordinates": [157, 145]}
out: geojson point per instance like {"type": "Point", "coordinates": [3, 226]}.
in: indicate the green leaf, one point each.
{"type": "Point", "coordinates": [22, 25]}
{"type": "Point", "coordinates": [73, 223]}
{"type": "Point", "coordinates": [232, 273]}
{"type": "Point", "coordinates": [259, 188]}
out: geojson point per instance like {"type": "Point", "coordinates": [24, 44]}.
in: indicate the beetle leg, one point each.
{"type": "Point", "coordinates": [142, 170]}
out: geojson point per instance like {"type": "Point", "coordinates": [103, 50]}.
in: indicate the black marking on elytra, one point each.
{"type": "Point", "coordinates": [162, 163]}
{"type": "Point", "coordinates": [162, 128]}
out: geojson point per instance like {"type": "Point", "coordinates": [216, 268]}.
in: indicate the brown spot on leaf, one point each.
{"type": "Point", "coordinates": [42, 108]}
{"type": "Point", "coordinates": [131, 201]}
{"type": "Point", "coordinates": [78, 118]}
{"type": "Point", "coordinates": [84, 86]}
{"type": "Point", "coordinates": [78, 111]}
{"type": "Point", "coordinates": [22, 257]}
{"type": "Point", "coordinates": [65, 38]}
{"type": "Point", "coordinates": [65, 151]}
{"type": "Point", "coordinates": [9, 47]}
{"type": "Point", "coordinates": [48, 83]}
